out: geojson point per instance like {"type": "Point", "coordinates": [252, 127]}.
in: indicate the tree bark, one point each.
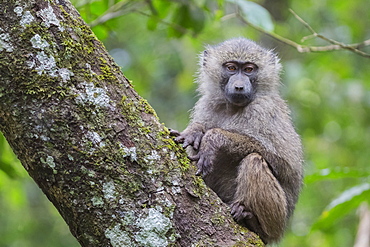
{"type": "Point", "coordinates": [92, 144]}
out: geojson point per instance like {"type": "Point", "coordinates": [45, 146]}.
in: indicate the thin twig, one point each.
{"type": "Point", "coordinates": [303, 22]}
{"type": "Point", "coordinates": [271, 34]}
{"type": "Point", "coordinates": [115, 11]}
{"type": "Point", "coordinates": [122, 7]}
{"type": "Point", "coordinates": [307, 37]}
{"type": "Point", "coordinates": [175, 26]}
{"type": "Point", "coordinates": [335, 45]}
{"type": "Point", "coordinates": [127, 6]}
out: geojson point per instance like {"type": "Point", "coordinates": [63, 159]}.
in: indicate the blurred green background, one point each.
{"type": "Point", "coordinates": [156, 42]}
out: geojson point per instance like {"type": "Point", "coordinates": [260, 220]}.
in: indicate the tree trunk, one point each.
{"type": "Point", "coordinates": [92, 144]}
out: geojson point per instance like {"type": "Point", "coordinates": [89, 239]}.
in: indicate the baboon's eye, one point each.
{"type": "Point", "coordinates": [248, 69]}
{"type": "Point", "coordinates": [231, 67]}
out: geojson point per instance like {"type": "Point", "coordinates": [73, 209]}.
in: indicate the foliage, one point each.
{"type": "Point", "coordinates": [7, 159]}
{"type": "Point", "coordinates": [156, 43]}
{"type": "Point", "coordinates": [27, 218]}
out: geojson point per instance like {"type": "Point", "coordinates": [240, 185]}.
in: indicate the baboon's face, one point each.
{"type": "Point", "coordinates": [239, 82]}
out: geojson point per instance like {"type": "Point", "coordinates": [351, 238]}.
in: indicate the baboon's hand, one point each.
{"type": "Point", "coordinates": [204, 163]}
{"type": "Point", "coordinates": [191, 136]}
{"type": "Point", "coordinates": [174, 133]}
{"type": "Point", "coordinates": [239, 212]}
{"type": "Point", "coordinates": [205, 158]}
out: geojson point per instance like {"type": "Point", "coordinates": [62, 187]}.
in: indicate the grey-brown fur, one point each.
{"type": "Point", "coordinates": [250, 156]}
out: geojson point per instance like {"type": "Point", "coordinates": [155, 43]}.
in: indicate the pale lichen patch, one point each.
{"type": "Point", "coordinates": [38, 42]}
{"type": "Point", "coordinates": [93, 95]}
{"type": "Point", "coordinates": [27, 18]}
{"type": "Point", "coordinates": [5, 42]}
{"type": "Point", "coordinates": [89, 172]}
{"type": "Point", "coordinates": [18, 10]}
{"type": "Point", "coordinates": [168, 204]}
{"type": "Point", "coordinates": [49, 18]}
{"type": "Point", "coordinates": [50, 162]}
{"type": "Point", "coordinates": [130, 152]}
{"type": "Point", "coordinates": [154, 156]}
{"type": "Point", "coordinates": [118, 238]}
{"type": "Point", "coordinates": [88, 66]}
{"type": "Point", "coordinates": [95, 138]}
{"type": "Point", "coordinates": [176, 189]}
{"type": "Point", "coordinates": [45, 65]}
{"type": "Point", "coordinates": [128, 217]}
{"type": "Point", "coordinates": [109, 190]}
{"type": "Point", "coordinates": [97, 201]}
{"type": "Point", "coordinates": [173, 156]}
{"type": "Point", "coordinates": [65, 74]}
{"type": "Point", "coordinates": [153, 229]}
{"type": "Point", "coordinates": [70, 157]}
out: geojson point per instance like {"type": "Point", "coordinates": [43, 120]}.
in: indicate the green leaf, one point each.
{"type": "Point", "coordinates": [181, 18]}
{"type": "Point", "coordinates": [152, 23]}
{"type": "Point", "coordinates": [339, 207]}
{"type": "Point", "coordinates": [162, 7]}
{"type": "Point", "coordinates": [336, 173]}
{"type": "Point", "coordinates": [101, 32]}
{"type": "Point", "coordinates": [255, 14]}
{"type": "Point", "coordinates": [190, 17]}
{"type": "Point", "coordinates": [197, 19]}
{"type": "Point", "coordinates": [7, 158]}
{"type": "Point", "coordinates": [8, 169]}
{"type": "Point", "coordinates": [98, 8]}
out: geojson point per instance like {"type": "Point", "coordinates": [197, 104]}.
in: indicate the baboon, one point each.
{"type": "Point", "coordinates": [242, 138]}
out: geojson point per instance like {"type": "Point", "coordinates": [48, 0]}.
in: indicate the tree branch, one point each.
{"type": "Point", "coordinates": [92, 144]}
{"type": "Point", "coordinates": [116, 10]}
{"type": "Point", "coordinates": [336, 45]}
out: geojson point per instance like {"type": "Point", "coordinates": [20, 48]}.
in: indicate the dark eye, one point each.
{"type": "Point", "coordinates": [248, 69]}
{"type": "Point", "coordinates": [231, 68]}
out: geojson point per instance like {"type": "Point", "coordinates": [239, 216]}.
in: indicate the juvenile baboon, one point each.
{"type": "Point", "coordinates": [242, 138]}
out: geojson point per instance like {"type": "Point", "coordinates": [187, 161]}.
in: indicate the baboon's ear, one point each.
{"type": "Point", "coordinates": [204, 57]}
